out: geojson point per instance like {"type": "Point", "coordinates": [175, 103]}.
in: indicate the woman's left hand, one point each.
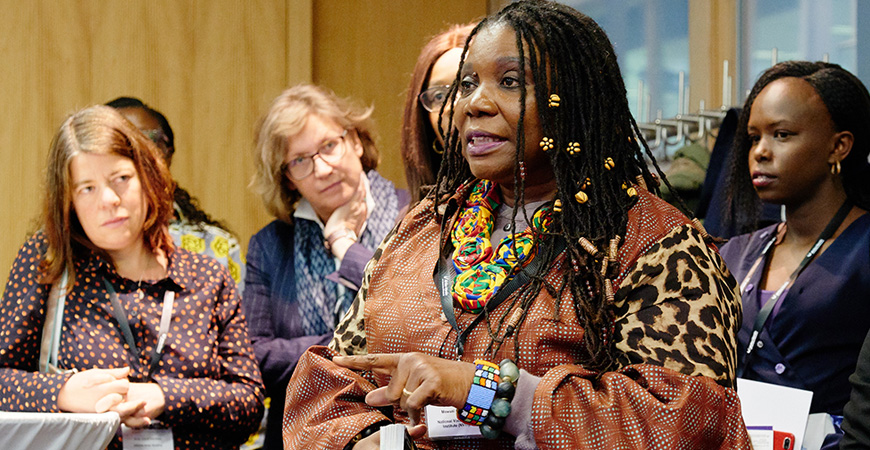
{"type": "Point", "coordinates": [416, 380]}
{"type": "Point", "coordinates": [151, 400]}
{"type": "Point", "coordinates": [351, 215]}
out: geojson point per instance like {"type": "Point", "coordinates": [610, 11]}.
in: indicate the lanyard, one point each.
{"type": "Point", "coordinates": [120, 315]}
{"type": "Point", "coordinates": [764, 313]}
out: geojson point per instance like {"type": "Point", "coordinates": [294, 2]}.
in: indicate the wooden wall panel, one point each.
{"type": "Point", "coordinates": [209, 65]}
{"type": "Point", "coordinates": [212, 67]}
{"type": "Point", "coordinates": [367, 50]}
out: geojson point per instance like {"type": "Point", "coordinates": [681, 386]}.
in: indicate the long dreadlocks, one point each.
{"type": "Point", "coordinates": [570, 56]}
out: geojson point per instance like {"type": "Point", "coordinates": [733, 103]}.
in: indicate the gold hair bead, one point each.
{"type": "Point", "coordinates": [588, 246]}
{"type": "Point", "coordinates": [557, 205]}
{"type": "Point", "coordinates": [614, 247]}
{"type": "Point", "coordinates": [632, 192]}
{"type": "Point", "coordinates": [554, 101]}
{"type": "Point", "coordinates": [573, 148]}
{"type": "Point", "coordinates": [546, 143]}
{"type": "Point", "coordinates": [624, 186]}
{"type": "Point", "coordinates": [581, 197]}
{"type": "Point", "coordinates": [609, 164]}
{"type": "Point", "coordinates": [604, 263]}
{"type": "Point", "coordinates": [586, 183]}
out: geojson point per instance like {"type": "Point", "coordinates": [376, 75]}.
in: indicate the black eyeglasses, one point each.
{"type": "Point", "coordinates": [433, 98]}
{"type": "Point", "coordinates": [329, 151]}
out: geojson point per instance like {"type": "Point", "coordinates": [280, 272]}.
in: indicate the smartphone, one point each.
{"type": "Point", "coordinates": [783, 440]}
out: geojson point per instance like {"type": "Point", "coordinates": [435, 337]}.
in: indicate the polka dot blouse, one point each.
{"type": "Point", "coordinates": [211, 381]}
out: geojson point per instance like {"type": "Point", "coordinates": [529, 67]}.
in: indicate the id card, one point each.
{"type": "Point", "coordinates": [147, 438]}
{"type": "Point", "coordinates": [443, 424]}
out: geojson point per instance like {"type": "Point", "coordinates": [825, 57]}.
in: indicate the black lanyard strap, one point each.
{"type": "Point", "coordinates": [120, 315]}
{"type": "Point", "coordinates": [764, 313]}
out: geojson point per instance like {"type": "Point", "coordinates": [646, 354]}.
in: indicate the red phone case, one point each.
{"type": "Point", "coordinates": [783, 440]}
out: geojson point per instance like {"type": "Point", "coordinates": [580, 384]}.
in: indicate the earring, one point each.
{"type": "Point", "coordinates": [835, 168]}
{"type": "Point", "coordinates": [554, 101]}
{"type": "Point", "coordinates": [437, 148]}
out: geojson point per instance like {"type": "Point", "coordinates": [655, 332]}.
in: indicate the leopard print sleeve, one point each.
{"type": "Point", "coordinates": [350, 334]}
{"type": "Point", "coordinates": [678, 307]}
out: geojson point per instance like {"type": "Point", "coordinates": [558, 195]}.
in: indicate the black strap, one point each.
{"type": "Point", "coordinates": [120, 315]}
{"type": "Point", "coordinates": [445, 289]}
{"type": "Point", "coordinates": [764, 314]}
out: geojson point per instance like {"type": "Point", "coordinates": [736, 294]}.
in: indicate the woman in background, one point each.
{"type": "Point", "coordinates": [191, 228]}
{"type": "Point", "coordinates": [316, 161]}
{"type": "Point", "coordinates": [422, 142]}
{"type": "Point", "coordinates": [802, 142]}
{"type": "Point", "coordinates": [151, 331]}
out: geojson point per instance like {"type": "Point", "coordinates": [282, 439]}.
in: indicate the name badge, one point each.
{"type": "Point", "coordinates": [443, 424]}
{"type": "Point", "coordinates": [147, 438]}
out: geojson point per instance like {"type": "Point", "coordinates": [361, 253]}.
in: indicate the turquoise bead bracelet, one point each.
{"type": "Point", "coordinates": [500, 407]}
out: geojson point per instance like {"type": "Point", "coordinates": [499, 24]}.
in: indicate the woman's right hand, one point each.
{"type": "Point", "coordinates": [351, 216]}
{"type": "Point", "coordinates": [94, 390]}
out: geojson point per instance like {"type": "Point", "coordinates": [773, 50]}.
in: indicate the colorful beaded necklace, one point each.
{"type": "Point", "coordinates": [480, 269]}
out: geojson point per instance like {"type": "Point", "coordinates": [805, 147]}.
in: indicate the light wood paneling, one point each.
{"type": "Point", "coordinates": [212, 67]}
{"type": "Point", "coordinates": [208, 65]}
{"type": "Point", "coordinates": [367, 50]}
{"type": "Point", "coordinates": [712, 39]}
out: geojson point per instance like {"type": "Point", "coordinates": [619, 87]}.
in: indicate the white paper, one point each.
{"type": "Point", "coordinates": [783, 408]}
{"type": "Point", "coordinates": [443, 424]}
{"type": "Point", "coordinates": [147, 438]}
{"type": "Point", "coordinates": [819, 425]}
{"type": "Point", "coordinates": [761, 437]}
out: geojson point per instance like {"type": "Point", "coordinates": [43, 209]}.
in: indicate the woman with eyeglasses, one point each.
{"type": "Point", "coordinates": [316, 160]}
{"type": "Point", "coordinates": [422, 143]}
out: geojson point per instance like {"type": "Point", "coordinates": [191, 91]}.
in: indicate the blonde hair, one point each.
{"type": "Point", "coordinates": [99, 130]}
{"type": "Point", "coordinates": [286, 117]}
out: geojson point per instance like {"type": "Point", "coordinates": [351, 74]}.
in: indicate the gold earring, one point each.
{"type": "Point", "coordinates": [835, 168]}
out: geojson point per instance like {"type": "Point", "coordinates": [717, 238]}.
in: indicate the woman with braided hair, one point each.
{"type": "Point", "coordinates": [541, 289]}
{"type": "Point", "coordinates": [802, 142]}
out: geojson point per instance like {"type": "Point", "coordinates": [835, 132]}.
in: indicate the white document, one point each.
{"type": "Point", "coordinates": [147, 438]}
{"type": "Point", "coordinates": [783, 408]}
{"type": "Point", "coordinates": [761, 437]}
{"type": "Point", "coordinates": [443, 424]}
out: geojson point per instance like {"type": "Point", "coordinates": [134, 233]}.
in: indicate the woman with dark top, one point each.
{"type": "Point", "coordinates": [802, 142]}
{"type": "Point", "coordinates": [316, 161]}
{"type": "Point", "coordinates": [541, 290]}
{"type": "Point", "coordinates": [422, 142]}
{"type": "Point", "coordinates": [149, 330]}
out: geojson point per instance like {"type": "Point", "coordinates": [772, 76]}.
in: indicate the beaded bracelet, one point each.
{"type": "Point", "coordinates": [500, 407]}
{"type": "Point", "coordinates": [481, 393]}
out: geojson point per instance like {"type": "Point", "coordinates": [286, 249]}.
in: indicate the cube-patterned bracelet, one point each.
{"type": "Point", "coordinates": [481, 393]}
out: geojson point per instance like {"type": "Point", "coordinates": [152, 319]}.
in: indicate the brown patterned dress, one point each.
{"type": "Point", "coordinates": [677, 313]}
